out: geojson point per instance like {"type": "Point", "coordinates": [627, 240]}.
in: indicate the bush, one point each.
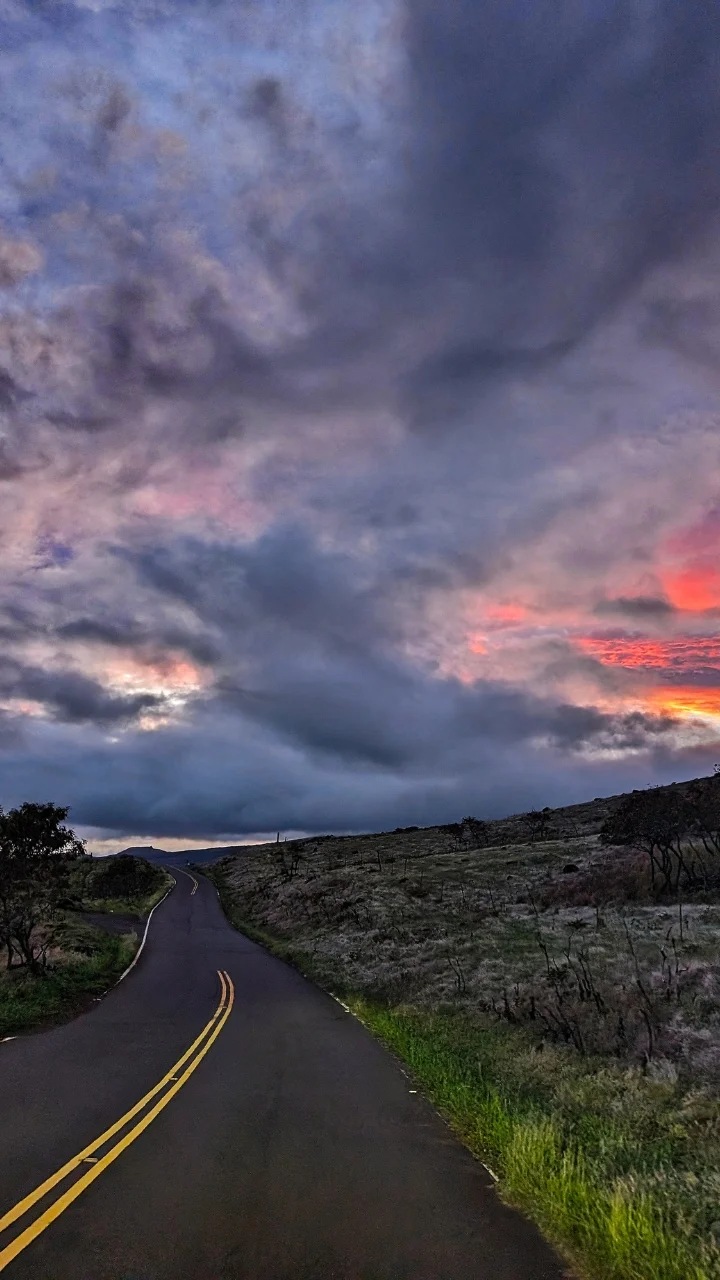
{"type": "Point", "coordinates": [123, 877]}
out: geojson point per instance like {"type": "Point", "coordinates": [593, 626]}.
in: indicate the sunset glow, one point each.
{"type": "Point", "coordinates": [682, 654]}
{"type": "Point", "coordinates": [172, 676]}
{"type": "Point", "coordinates": [694, 589]}
{"type": "Point", "coordinates": [685, 702]}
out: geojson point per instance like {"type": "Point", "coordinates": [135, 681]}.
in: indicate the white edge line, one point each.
{"type": "Point", "coordinates": [337, 1000]}
{"type": "Point", "coordinates": [341, 1002]}
{"type": "Point", "coordinates": [138, 953]}
{"type": "Point", "coordinates": [492, 1172]}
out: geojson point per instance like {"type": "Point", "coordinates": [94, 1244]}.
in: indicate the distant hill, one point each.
{"type": "Point", "coordinates": [566, 822]}
{"type": "Point", "coordinates": [143, 851]}
{"type": "Point", "coordinates": [179, 857]}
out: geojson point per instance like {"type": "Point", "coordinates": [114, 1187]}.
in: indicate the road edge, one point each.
{"type": "Point", "coordinates": [139, 951]}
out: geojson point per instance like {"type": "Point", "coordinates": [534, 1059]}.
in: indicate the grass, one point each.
{"type": "Point", "coordinates": [84, 961]}
{"type": "Point", "coordinates": [130, 906]}
{"type": "Point", "coordinates": [585, 1178]}
{"type": "Point", "coordinates": [91, 961]}
{"type": "Point", "coordinates": [618, 1164]}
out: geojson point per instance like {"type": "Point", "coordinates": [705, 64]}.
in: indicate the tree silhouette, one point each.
{"type": "Point", "coordinates": [35, 853]}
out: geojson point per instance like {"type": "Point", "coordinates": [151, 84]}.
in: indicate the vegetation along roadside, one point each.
{"type": "Point", "coordinates": [69, 924]}
{"type": "Point", "coordinates": [553, 984]}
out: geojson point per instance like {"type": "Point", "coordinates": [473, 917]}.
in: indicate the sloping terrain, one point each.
{"type": "Point", "coordinates": [532, 947]}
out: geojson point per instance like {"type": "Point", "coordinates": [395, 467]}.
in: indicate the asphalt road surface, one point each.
{"type": "Point", "coordinates": [269, 1137]}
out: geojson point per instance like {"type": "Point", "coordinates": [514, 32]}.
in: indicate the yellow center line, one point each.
{"type": "Point", "coordinates": [40, 1224]}
{"type": "Point", "coordinates": [27, 1203]}
{"type": "Point", "coordinates": [193, 891]}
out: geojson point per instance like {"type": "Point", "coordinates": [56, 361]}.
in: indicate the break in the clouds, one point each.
{"type": "Point", "coordinates": [359, 408]}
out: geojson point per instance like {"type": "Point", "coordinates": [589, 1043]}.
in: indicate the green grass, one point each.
{"type": "Point", "coordinates": [620, 1172]}
{"type": "Point", "coordinates": [28, 1002]}
{"type": "Point", "coordinates": [609, 1192]}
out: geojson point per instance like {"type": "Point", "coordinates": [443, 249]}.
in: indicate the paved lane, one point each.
{"type": "Point", "coordinates": [286, 1145]}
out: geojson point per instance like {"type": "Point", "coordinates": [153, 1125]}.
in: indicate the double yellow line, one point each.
{"type": "Point", "coordinates": [98, 1164]}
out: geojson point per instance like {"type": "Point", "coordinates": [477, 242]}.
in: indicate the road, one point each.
{"type": "Point", "coordinates": [286, 1145]}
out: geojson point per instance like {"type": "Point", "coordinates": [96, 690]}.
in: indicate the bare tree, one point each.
{"type": "Point", "coordinates": [678, 828]}
{"type": "Point", "coordinates": [475, 833]}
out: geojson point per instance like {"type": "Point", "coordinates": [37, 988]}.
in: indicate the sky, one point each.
{"type": "Point", "coordinates": [359, 409]}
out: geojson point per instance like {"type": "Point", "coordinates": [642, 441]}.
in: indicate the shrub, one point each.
{"type": "Point", "coordinates": [123, 877]}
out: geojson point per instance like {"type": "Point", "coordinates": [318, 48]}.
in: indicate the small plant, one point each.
{"type": "Point", "coordinates": [459, 973]}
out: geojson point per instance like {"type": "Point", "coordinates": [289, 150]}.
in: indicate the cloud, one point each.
{"type": "Point", "coordinates": [18, 259]}
{"type": "Point", "coordinates": [219, 778]}
{"type": "Point", "coordinates": [522, 120]}
{"type": "Point", "coordinates": [542, 180]}
{"type": "Point", "coordinates": [312, 649]}
{"type": "Point", "coordinates": [643, 607]}
{"type": "Point", "coordinates": [70, 696]}
{"type": "Point", "coordinates": [345, 382]}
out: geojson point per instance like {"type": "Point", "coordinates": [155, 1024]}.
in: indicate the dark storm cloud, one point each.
{"type": "Point", "coordinates": [699, 676]}
{"type": "Point", "coordinates": [281, 586]}
{"type": "Point", "coordinates": [378, 714]}
{"type": "Point", "coordinates": [642, 607]}
{"type": "Point", "coordinates": [78, 422]}
{"type": "Point", "coordinates": [70, 696]}
{"type": "Point", "coordinates": [548, 132]}
{"type": "Point", "coordinates": [224, 777]}
{"type": "Point", "coordinates": [309, 651]}
{"type": "Point", "coordinates": [562, 156]}
{"type": "Point", "coordinates": [129, 634]}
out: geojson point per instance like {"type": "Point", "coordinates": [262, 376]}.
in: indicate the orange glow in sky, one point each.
{"type": "Point", "coordinates": [508, 613]}
{"type": "Point", "coordinates": [695, 588]}
{"type": "Point", "coordinates": [685, 701]}
{"type": "Point", "coordinates": [679, 654]}
{"type": "Point", "coordinates": [677, 658]}
{"type": "Point", "coordinates": [693, 583]}
{"type": "Point", "coordinates": [171, 675]}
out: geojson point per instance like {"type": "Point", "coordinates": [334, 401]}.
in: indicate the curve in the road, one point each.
{"type": "Point", "coordinates": [143, 940]}
{"type": "Point", "coordinates": [294, 1148]}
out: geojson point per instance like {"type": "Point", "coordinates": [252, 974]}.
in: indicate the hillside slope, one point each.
{"type": "Point", "coordinates": [525, 969]}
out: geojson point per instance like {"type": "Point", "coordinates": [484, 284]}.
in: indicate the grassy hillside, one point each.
{"type": "Point", "coordinates": [562, 1014]}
